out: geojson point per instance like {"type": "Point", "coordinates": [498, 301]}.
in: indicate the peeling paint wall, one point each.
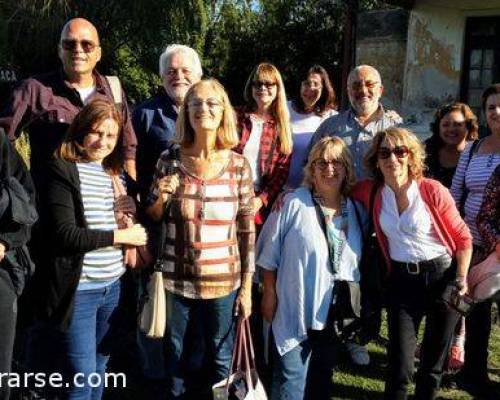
{"type": "Point", "coordinates": [433, 62]}
{"type": "Point", "coordinates": [381, 42]}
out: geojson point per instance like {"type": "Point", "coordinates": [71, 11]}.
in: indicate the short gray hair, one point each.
{"type": "Point", "coordinates": [358, 69]}
{"type": "Point", "coordinates": [180, 49]}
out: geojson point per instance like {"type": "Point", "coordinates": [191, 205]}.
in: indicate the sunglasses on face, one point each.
{"type": "Point", "coordinates": [87, 46]}
{"type": "Point", "coordinates": [323, 164]}
{"type": "Point", "coordinates": [266, 84]}
{"type": "Point", "coordinates": [399, 151]}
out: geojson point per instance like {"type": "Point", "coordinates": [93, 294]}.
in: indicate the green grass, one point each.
{"type": "Point", "coordinates": [361, 383]}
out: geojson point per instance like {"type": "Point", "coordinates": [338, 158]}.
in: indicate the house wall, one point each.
{"type": "Point", "coordinates": [381, 42]}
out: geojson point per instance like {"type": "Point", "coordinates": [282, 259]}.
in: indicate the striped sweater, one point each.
{"type": "Point", "coordinates": [103, 265]}
{"type": "Point", "coordinates": [210, 231]}
{"type": "Point", "coordinates": [474, 177]}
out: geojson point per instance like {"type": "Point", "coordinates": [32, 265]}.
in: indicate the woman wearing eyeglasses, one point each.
{"type": "Point", "coordinates": [419, 231]}
{"type": "Point", "coordinates": [265, 136]}
{"type": "Point", "coordinates": [315, 102]}
{"type": "Point", "coordinates": [305, 249]}
{"type": "Point", "coordinates": [208, 259]}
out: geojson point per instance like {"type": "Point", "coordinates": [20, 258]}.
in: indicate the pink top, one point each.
{"type": "Point", "coordinates": [452, 231]}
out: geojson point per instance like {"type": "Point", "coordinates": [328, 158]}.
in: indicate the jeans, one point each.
{"type": "Point", "coordinates": [217, 323]}
{"type": "Point", "coordinates": [305, 372]}
{"type": "Point", "coordinates": [87, 341]}
{"type": "Point", "coordinates": [8, 317]}
{"type": "Point", "coordinates": [410, 298]}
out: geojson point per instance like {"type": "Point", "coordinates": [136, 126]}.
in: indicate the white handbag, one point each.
{"type": "Point", "coordinates": [153, 316]}
{"type": "Point", "coordinates": [243, 382]}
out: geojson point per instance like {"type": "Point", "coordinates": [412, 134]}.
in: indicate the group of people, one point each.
{"type": "Point", "coordinates": [272, 203]}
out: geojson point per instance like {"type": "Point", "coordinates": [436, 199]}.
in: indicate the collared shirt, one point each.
{"type": "Point", "coordinates": [410, 235]}
{"type": "Point", "coordinates": [293, 244]}
{"type": "Point", "coordinates": [358, 138]}
{"type": "Point", "coordinates": [154, 124]}
{"type": "Point", "coordinates": [252, 150]}
{"type": "Point", "coordinates": [45, 106]}
{"type": "Point", "coordinates": [274, 165]}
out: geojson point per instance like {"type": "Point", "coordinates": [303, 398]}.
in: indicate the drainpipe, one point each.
{"type": "Point", "coordinates": [351, 8]}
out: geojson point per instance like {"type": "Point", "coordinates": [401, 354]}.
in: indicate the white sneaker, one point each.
{"type": "Point", "coordinates": [359, 354]}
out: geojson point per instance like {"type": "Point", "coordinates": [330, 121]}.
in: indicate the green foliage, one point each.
{"type": "Point", "coordinates": [230, 35]}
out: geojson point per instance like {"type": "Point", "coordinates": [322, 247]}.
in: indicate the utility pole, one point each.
{"type": "Point", "coordinates": [351, 8]}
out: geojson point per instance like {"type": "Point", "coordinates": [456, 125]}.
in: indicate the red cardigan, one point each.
{"type": "Point", "coordinates": [452, 231]}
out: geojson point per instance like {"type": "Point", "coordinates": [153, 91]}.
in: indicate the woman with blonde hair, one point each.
{"type": "Point", "coordinates": [305, 250]}
{"type": "Point", "coordinates": [419, 231]}
{"type": "Point", "coordinates": [265, 136]}
{"type": "Point", "coordinates": [206, 203]}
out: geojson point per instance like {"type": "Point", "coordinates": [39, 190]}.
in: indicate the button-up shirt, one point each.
{"type": "Point", "coordinates": [357, 137]}
{"type": "Point", "coordinates": [45, 106]}
{"type": "Point", "coordinates": [154, 124]}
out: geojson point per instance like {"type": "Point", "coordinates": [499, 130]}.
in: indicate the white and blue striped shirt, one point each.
{"type": "Point", "coordinates": [476, 175]}
{"type": "Point", "coordinates": [104, 265]}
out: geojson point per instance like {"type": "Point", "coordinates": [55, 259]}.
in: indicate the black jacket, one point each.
{"type": "Point", "coordinates": [17, 213]}
{"type": "Point", "coordinates": [67, 240]}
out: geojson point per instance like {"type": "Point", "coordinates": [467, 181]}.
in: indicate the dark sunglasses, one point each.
{"type": "Point", "coordinates": [399, 151]}
{"type": "Point", "coordinates": [71, 45]}
{"type": "Point", "coordinates": [266, 84]}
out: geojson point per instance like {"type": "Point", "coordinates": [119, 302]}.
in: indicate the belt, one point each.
{"type": "Point", "coordinates": [438, 263]}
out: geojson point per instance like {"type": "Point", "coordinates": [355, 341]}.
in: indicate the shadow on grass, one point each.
{"type": "Point", "coordinates": [341, 391]}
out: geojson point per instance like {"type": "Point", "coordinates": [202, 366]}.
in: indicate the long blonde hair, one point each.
{"type": "Point", "coordinates": [279, 108]}
{"type": "Point", "coordinates": [227, 136]}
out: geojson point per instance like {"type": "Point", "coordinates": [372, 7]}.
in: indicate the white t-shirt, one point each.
{"type": "Point", "coordinates": [85, 93]}
{"type": "Point", "coordinates": [252, 150]}
{"type": "Point", "coordinates": [303, 128]}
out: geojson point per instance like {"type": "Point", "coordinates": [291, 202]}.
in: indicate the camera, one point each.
{"type": "Point", "coordinates": [461, 303]}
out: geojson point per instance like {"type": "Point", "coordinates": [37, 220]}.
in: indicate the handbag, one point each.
{"type": "Point", "coordinates": [134, 257]}
{"type": "Point", "coordinates": [153, 315]}
{"type": "Point", "coordinates": [243, 382]}
{"type": "Point", "coordinates": [484, 279]}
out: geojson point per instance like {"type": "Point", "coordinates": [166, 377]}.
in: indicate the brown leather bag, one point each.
{"type": "Point", "coordinates": [134, 257]}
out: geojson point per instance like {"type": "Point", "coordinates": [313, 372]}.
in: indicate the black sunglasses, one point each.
{"type": "Point", "coordinates": [399, 151]}
{"type": "Point", "coordinates": [87, 46]}
{"type": "Point", "coordinates": [266, 84]}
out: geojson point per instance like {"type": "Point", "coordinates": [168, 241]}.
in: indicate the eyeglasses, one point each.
{"type": "Point", "coordinates": [323, 164]}
{"type": "Point", "coordinates": [198, 103]}
{"type": "Point", "coordinates": [399, 151]}
{"type": "Point", "coordinates": [358, 85]}
{"type": "Point", "coordinates": [87, 46]}
{"type": "Point", "coordinates": [266, 84]}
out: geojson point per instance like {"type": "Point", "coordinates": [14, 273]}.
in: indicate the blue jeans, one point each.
{"type": "Point", "coordinates": [85, 341]}
{"type": "Point", "coordinates": [305, 372]}
{"type": "Point", "coordinates": [217, 324]}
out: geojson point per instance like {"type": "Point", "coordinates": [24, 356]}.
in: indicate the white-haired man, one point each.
{"type": "Point", "coordinates": [154, 120]}
{"type": "Point", "coordinates": [365, 117]}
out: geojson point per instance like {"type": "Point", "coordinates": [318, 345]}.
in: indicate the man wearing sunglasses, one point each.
{"type": "Point", "coordinates": [365, 117]}
{"type": "Point", "coordinates": [45, 105]}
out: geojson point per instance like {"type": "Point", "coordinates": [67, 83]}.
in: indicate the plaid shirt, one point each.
{"type": "Point", "coordinates": [273, 164]}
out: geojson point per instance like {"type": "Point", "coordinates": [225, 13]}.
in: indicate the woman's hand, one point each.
{"type": "Point", "coordinates": [134, 236]}
{"type": "Point", "coordinates": [2, 251]}
{"type": "Point", "coordinates": [125, 204]}
{"type": "Point", "coordinates": [461, 284]}
{"type": "Point", "coordinates": [268, 304]}
{"type": "Point", "coordinates": [244, 302]}
{"type": "Point", "coordinates": [257, 204]}
{"type": "Point", "coordinates": [168, 185]}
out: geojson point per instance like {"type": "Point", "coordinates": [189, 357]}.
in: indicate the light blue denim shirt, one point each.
{"type": "Point", "coordinates": [358, 138]}
{"type": "Point", "coordinates": [293, 244]}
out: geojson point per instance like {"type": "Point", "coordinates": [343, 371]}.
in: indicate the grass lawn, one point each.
{"type": "Point", "coordinates": [368, 382]}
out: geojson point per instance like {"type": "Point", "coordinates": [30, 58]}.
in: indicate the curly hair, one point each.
{"type": "Point", "coordinates": [331, 147]}
{"type": "Point", "coordinates": [416, 165]}
{"type": "Point", "coordinates": [470, 122]}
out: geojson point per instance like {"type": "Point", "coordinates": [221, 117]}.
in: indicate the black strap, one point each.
{"type": "Point", "coordinates": [322, 223]}
{"type": "Point", "coordinates": [465, 191]}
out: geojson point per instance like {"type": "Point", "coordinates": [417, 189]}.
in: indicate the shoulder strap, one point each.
{"type": "Point", "coordinates": [358, 220]}
{"type": "Point", "coordinates": [116, 90]}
